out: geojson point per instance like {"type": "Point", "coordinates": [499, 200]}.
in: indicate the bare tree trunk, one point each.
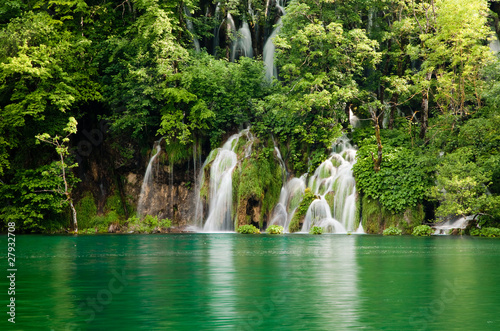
{"type": "Point", "coordinates": [73, 210]}
{"type": "Point", "coordinates": [67, 194]}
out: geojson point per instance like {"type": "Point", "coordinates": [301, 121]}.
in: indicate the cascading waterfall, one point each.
{"type": "Point", "coordinates": [243, 45]}
{"type": "Point", "coordinates": [190, 27]}
{"type": "Point", "coordinates": [290, 197]}
{"type": "Point", "coordinates": [269, 48]}
{"type": "Point", "coordinates": [333, 183]}
{"type": "Point", "coordinates": [445, 227]}
{"type": "Point", "coordinates": [216, 29]}
{"type": "Point", "coordinates": [353, 119]}
{"type": "Point", "coordinates": [333, 180]}
{"type": "Point", "coordinates": [268, 53]}
{"type": "Point", "coordinates": [319, 214]}
{"type": "Point", "coordinates": [223, 162]}
{"type": "Point", "coordinates": [147, 183]}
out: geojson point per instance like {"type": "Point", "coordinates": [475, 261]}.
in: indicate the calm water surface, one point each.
{"type": "Point", "coordinates": [244, 282]}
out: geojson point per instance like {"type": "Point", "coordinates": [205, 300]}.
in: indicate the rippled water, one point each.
{"type": "Point", "coordinates": [262, 282]}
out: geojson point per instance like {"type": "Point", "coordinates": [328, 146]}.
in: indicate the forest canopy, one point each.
{"type": "Point", "coordinates": [422, 77]}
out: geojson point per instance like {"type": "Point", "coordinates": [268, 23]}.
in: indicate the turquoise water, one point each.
{"type": "Point", "coordinates": [254, 282]}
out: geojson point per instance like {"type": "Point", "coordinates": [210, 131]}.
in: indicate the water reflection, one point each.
{"type": "Point", "coordinates": [244, 282]}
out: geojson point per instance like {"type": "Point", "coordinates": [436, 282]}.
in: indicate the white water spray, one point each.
{"type": "Point", "coordinates": [222, 162]}
{"type": "Point", "coordinates": [147, 182]}
{"type": "Point", "coordinates": [243, 45]}
{"type": "Point", "coordinates": [333, 180]}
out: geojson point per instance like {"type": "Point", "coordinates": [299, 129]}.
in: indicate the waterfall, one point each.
{"type": "Point", "coordinates": [290, 197]}
{"type": "Point", "coordinates": [333, 181]}
{"type": "Point", "coordinates": [269, 48]}
{"type": "Point", "coordinates": [494, 42]}
{"type": "Point", "coordinates": [216, 29]}
{"type": "Point", "coordinates": [444, 228]}
{"type": "Point", "coordinates": [243, 45]}
{"type": "Point", "coordinates": [319, 214]}
{"type": "Point", "coordinates": [190, 28]}
{"type": "Point", "coordinates": [222, 162]}
{"type": "Point", "coordinates": [268, 53]}
{"type": "Point", "coordinates": [353, 119]}
{"type": "Point", "coordinates": [147, 182]}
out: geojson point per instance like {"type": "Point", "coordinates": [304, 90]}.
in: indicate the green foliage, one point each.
{"type": "Point", "coordinates": [401, 183]}
{"type": "Point", "coordinates": [44, 72]}
{"type": "Point", "coordinates": [149, 224]}
{"type": "Point", "coordinates": [486, 232]}
{"type": "Point", "coordinates": [422, 231]}
{"type": "Point", "coordinates": [260, 179]}
{"type": "Point", "coordinates": [275, 229]}
{"type": "Point", "coordinates": [220, 93]}
{"type": "Point", "coordinates": [34, 199]}
{"type": "Point", "coordinates": [87, 211]}
{"type": "Point", "coordinates": [316, 230]}
{"type": "Point", "coordinates": [461, 185]}
{"type": "Point", "coordinates": [301, 210]}
{"type": "Point", "coordinates": [375, 217]}
{"type": "Point", "coordinates": [248, 229]}
{"type": "Point", "coordinates": [392, 231]}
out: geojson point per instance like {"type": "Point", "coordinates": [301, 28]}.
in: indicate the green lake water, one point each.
{"type": "Point", "coordinates": [254, 282]}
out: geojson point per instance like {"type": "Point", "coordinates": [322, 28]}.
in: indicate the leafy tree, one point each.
{"type": "Point", "coordinates": [319, 61]}
{"type": "Point", "coordinates": [140, 70]}
{"type": "Point", "coordinates": [60, 144]}
{"type": "Point", "coordinates": [44, 72]}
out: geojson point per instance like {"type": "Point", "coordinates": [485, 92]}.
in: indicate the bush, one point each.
{"type": "Point", "coordinates": [316, 230]}
{"type": "Point", "coordinates": [486, 232]}
{"type": "Point", "coordinates": [149, 224]}
{"type": "Point", "coordinates": [248, 229]}
{"type": "Point", "coordinates": [392, 231]}
{"type": "Point", "coordinates": [422, 230]}
{"type": "Point", "coordinates": [275, 229]}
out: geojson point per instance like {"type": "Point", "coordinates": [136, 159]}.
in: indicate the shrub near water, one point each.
{"type": "Point", "coordinates": [422, 230]}
{"type": "Point", "coordinates": [248, 229]}
{"type": "Point", "coordinates": [275, 229]}
{"type": "Point", "coordinates": [149, 224]}
{"type": "Point", "coordinates": [392, 231]}
{"type": "Point", "coordinates": [486, 232]}
{"type": "Point", "coordinates": [316, 230]}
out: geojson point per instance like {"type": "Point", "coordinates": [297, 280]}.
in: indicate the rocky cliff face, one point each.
{"type": "Point", "coordinates": [174, 200]}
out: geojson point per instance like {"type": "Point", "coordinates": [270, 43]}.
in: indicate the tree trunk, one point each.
{"type": "Point", "coordinates": [75, 222]}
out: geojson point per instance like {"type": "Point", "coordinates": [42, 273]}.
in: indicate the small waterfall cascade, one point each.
{"type": "Point", "coordinates": [269, 47]}
{"type": "Point", "coordinates": [222, 162]}
{"type": "Point", "coordinates": [290, 197]}
{"type": "Point", "coordinates": [216, 29]}
{"type": "Point", "coordinates": [268, 53]}
{"type": "Point", "coordinates": [319, 214]}
{"type": "Point", "coordinates": [147, 182]}
{"type": "Point", "coordinates": [455, 223]}
{"type": "Point", "coordinates": [494, 43]}
{"type": "Point", "coordinates": [353, 119]}
{"type": "Point", "coordinates": [333, 182]}
{"type": "Point", "coordinates": [243, 45]}
{"type": "Point", "coordinates": [190, 27]}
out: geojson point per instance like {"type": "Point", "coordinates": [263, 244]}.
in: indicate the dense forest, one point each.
{"type": "Point", "coordinates": [87, 87]}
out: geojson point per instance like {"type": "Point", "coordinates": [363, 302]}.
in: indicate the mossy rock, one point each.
{"type": "Point", "coordinates": [376, 219]}
{"type": "Point", "coordinates": [300, 213]}
{"type": "Point", "coordinates": [257, 186]}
